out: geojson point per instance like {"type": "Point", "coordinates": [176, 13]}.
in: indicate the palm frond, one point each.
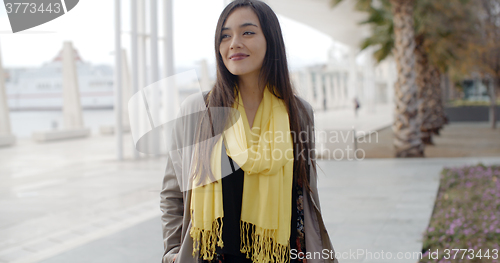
{"type": "Point", "coordinates": [334, 3]}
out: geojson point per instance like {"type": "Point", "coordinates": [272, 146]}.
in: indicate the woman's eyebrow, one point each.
{"type": "Point", "coordinates": [242, 25]}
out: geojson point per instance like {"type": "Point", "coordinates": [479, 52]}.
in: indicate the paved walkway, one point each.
{"type": "Point", "coordinates": [70, 201]}
{"type": "Point", "coordinates": [456, 139]}
{"type": "Point", "coordinates": [377, 206]}
{"type": "Point", "coordinates": [59, 195]}
{"type": "Point", "coordinates": [335, 130]}
{"type": "Point", "coordinates": [381, 205]}
{"type": "Point", "coordinates": [368, 120]}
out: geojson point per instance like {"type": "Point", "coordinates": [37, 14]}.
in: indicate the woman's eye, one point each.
{"type": "Point", "coordinates": [251, 33]}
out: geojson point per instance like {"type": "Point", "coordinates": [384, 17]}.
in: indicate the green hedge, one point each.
{"type": "Point", "coordinates": [459, 103]}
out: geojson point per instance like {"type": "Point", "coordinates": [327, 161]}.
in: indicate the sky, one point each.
{"type": "Point", "coordinates": [90, 27]}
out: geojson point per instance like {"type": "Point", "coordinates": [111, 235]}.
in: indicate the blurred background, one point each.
{"type": "Point", "coordinates": [405, 96]}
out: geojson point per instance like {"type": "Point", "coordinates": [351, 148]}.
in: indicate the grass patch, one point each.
{"type": "Point", "coordinates": [466, 215]}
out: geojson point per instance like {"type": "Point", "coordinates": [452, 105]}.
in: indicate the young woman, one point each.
{"type": "Point", "coordinates": [266, 209]}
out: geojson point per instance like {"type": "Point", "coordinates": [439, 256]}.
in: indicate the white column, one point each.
{"type": "Point", "coordinates": [126, 90]}
{"type": "Point", "coordinates": [309, 88]}
{"type": "Point", "coordinates": [342, 84]}
{"type": "Point", "coordinates": [328, 89]}
{"type": "Point", "coordinates": [336, 93]}
{"type": "Point", "coordinates": [6, 137]}
{"type": "Point", "coordinates": [118, 83]}
{"type": "Point", "coordinates": [369, 83]}
{"type": "Point", "coordinates": [4, 109]}
{"type": "Point", "coordinates": [352, 78]}
{"type": "Point", "coordinates": [171, 97]}
{"type": "Point", "coordinates": [155, 102]}
{"type": "Point", "coordinates": [319, 90]}
{"type": "Point", "coordinates": [135, 60]}
{"type": "Point", "coordinates": [72, 110]}
{"type": "Point", "coordinates": [142, 59]}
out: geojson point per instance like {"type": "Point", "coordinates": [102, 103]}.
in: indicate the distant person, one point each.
{"type": "Point", "coordinates": [268, 207]}
{"type": "Point", "coordinates": [356, 106]}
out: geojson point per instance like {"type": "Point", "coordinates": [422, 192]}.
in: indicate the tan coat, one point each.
{"type": "Point", "coordinates": [176, 195]}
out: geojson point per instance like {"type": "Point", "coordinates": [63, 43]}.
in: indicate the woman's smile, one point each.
{"type": "Point", "coordinates": [238, 58]}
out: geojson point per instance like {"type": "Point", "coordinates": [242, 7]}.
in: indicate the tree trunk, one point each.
{"type": "Point", "coordinates": [493, 98]}
{"type": "Point", "coordinates": [445, 96]}
{"type": "Point", "coordinates": [424, 93]}
{"type": "Point", "coordinates": [437, 118]}
{"type": "Point", "coordinates": [406, 126]}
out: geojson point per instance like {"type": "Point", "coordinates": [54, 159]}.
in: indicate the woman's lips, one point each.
{"type": "Point", "coordinates": [238, 57]}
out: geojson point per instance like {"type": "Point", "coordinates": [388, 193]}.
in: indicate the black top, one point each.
{"type": "Point", "coordinates": [232, 191]}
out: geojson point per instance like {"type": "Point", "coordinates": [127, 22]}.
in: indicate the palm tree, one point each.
{"type": "Point", "coordinates": [442, 30]}
{"type": "Point", "coordinates": [382, 23]}
{"type": "Point", "coordinates": [406, 126]}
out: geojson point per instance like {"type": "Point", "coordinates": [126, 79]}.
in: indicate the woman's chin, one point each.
{"type": "Point", "coordinates": [239, 72]}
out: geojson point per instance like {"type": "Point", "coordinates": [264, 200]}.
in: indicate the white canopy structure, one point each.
{"type": "Point", "coordinates": [370, 83]}
{"type": "Point", "coordinates": [341, 23]}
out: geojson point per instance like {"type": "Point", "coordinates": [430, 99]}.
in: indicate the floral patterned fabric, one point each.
{"type": "Point", "coordinates": [300, 241]}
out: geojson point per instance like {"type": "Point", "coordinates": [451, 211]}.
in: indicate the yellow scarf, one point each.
{"type": "Point", "coordinates": [267, 191]}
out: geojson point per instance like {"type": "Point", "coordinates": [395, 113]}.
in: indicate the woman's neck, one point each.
{"type": "Point", "coordinates": [251, 93]}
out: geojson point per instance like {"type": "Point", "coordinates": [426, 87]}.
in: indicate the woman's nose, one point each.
{"type": "Point", "coordinates": [235, 42]}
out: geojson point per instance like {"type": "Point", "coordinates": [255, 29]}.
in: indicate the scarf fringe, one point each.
{"type": "Point", "coordinates": [263, 249]}
{"type": "Point", "coordinates": [208, 239]}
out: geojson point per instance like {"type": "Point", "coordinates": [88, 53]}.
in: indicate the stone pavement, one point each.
{"type": "Point", "coordinates": [71, 201]}
{"type": "Point", "coordinates": [377, 206]}
{"type": "Point", "coordinates": [139, 243]}
{"type": "Point", "coordinates": [59, 195]}
{"type": "Point", "coordinates": [367, 121]}
{"type": "Point", "coordinates": [456, 139]}
{"type": "Point", "coordinates": [335, 130]}
{"type": "Point", "coordinates": [381, 205]}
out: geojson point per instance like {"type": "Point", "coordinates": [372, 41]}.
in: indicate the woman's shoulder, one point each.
{"type": "Point", "coordinates": [194, 102]}
{"type": "Point", "coordinates": [306, 105]}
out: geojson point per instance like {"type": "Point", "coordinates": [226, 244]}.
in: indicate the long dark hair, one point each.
{"type": "Point", "coordinates": [274, 72]}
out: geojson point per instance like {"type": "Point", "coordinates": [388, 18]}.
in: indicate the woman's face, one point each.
{"type": "Point", "coordinates": [242, 34]}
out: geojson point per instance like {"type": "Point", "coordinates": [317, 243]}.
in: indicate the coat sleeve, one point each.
{"type": "Point", "coordinates": [315, 187]}
{"type": "Point", "coordinates": [313, 182]}
{"type": "Point", "coordinates": [171, 197]}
